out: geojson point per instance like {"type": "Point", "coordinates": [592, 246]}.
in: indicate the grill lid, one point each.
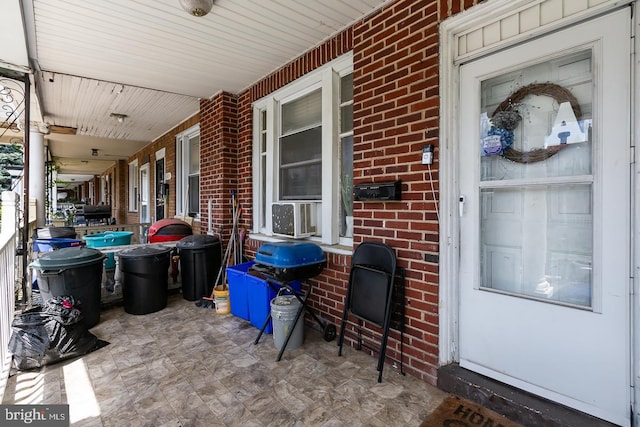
{"type": "Point", "coordinates": [290, 254]}
{"type": "Point", "coordinates": [170, 227]}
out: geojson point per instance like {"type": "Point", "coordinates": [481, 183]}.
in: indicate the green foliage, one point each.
{"type": "Point", "coordinates": [10, 155]}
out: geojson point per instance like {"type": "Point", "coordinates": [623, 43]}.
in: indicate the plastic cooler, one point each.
{"type": "Point", "coordinates": [108, 238]}
{"type": "Point", "coordinates": [250, 296]}
{"type": "Point", "coordinates": [73, 272]}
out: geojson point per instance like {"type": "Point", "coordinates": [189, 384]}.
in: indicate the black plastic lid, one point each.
{"type": "Point", "coordinates": [144, 251]}
{"type": "Point", "coordinates": [67, 258]}
{"type": "Point", "coordinates": [197, 241]}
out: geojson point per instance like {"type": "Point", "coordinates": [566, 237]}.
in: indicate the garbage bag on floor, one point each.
{"type": "Point", "coordinates": [50, 334]}
{"type": "Point", "coordinates": [29, 341]}
{"type": "Point", "coordinates": [63, 309]}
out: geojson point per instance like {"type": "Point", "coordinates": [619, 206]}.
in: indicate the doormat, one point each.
{"type": "Point", "coordinates": [457, 412]}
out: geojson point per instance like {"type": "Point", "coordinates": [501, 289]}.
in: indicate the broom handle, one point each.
{"type": "Point", "coordinates": [227, 253]}
{"type": "Point", "coordinates": [225, 259]}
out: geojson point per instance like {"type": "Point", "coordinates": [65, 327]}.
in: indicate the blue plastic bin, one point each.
{"type": "Point", "coordinates": [251, 296]}
{"type": "Point", "coordinates": [48, 245]}
{"type": "Point", "coordinates": [238, 285]}
{"type": "Point", "coordinates": [260, 295]}
{"type": "Point", "coordinates": [108, 238]}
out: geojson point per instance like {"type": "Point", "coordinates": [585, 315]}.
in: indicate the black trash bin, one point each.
{"type": "Point", "coordinates": [75, 272]}
{"type": "Point", "coordinates": [200, 260]}
{"type": "Point", "coordinates": [145, 273]}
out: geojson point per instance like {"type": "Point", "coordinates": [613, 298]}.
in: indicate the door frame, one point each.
{"type": "Point", "coordinates": [145, 186]}
{"type": "Point", "coordinates": [450, 60]}
{"type": "Point", "coordinates": [160, 157]}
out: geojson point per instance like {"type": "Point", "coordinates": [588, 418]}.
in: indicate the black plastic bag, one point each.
{"type": "Point", "coordinates": [43, 336]}
{"type": "Point", "coordinates": [63, 309]}
{"type": "Point", "coordinates": [29, 341]}
{"type": "Point", "coordinates": [70, 340]}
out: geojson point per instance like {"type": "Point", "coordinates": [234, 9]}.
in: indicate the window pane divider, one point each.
{"type": "Point", "coordinates": [302, 129]}
{"type": "Point", "coordinates": [578, 179]}
{"type": "Point", "coordinates": [301, 163]}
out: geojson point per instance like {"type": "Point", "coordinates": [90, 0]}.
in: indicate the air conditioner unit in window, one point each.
{"type": "Point", "coordinates": [293, 219]}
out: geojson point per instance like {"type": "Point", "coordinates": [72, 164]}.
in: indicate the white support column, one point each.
{"type": "Point", "coordinates": [36, 174]}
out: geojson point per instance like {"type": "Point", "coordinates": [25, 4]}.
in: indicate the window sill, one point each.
{"type": "Point", "coordinates": [335, 249]}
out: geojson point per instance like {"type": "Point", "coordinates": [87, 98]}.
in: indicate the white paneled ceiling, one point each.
{"type": "Point", "coordinates": [155, 44]}
{"type": "Point", "coordinates": [152, 61]}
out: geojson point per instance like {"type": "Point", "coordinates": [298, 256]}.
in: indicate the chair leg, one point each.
{"type": "Point", "coordinates": [385, 337]}
{"type": "Point", "coordinates": [343, 324]}
{"type": "Point", "coordinates": [382, 355]}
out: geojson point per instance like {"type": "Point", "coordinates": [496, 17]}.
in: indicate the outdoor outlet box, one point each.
{"type": "Point", "coordinates": [427, 154]}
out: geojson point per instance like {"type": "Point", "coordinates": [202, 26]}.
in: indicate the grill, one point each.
{"type": "Point", "coordinates": [169, 230]}
{"type": "Point", "coordinates": [289, 261]}
{"type": "Point", "coordinates": [283, 262]}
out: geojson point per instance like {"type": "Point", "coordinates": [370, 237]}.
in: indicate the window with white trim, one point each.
{"type": "Point", "coordinates": [133, 186]}
{"type": "Point", "coordinates": [188, 172]}
{"type": "Point", "coordinates": [303, 150]}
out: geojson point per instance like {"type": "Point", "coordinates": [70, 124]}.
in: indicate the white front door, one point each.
{"type": "Point", "coordinates": [145, 194]}
{"type": "Point", "coordinates": [545, 222]}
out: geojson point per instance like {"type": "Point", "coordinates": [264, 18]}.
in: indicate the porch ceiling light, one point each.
{"type": "Point", "coordinates": [197, 7]}
{"type": "Point", "coordinates": [118, 117]}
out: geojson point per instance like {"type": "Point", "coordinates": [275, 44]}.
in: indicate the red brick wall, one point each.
{"type": "Point", "coordinates": [218, 161]}
{"type": "Point", "coordinates": [168, 142]}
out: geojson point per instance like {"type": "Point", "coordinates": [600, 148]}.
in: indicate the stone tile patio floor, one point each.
{"type": "Point", "coordinates": [189, 366]}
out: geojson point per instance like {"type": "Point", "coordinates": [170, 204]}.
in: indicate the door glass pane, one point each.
{"type": "Point", "coordinates": [536, 234]}
{"type": "Point", "coordinates": [194, 195]}
{"type": "Point", "coordinates": [161, 196]}
{"type": "Point", "coordinates": [530, 129]}
{"type": "Point", "coordinates": [537, 241]}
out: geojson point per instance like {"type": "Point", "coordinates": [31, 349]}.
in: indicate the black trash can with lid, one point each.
{"type": "Point", "coordinates": [200, 260]}
{"type": "Point", "coordinates": [75, 272]}
{"type": "Point", "coordinates": [145, 273]}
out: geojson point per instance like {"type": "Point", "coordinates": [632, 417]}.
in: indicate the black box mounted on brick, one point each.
{"type": "Point", "coordinates": [377, 191]}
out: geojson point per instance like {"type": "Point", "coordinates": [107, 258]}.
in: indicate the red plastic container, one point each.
{"type": "Point", "coordinates": [169, 230]}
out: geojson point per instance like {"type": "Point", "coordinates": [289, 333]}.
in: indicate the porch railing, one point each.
{"type": "Point", "coordinates": [10, 279]}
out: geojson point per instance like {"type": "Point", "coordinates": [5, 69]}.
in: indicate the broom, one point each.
{"type": "Point", "coordinates": [209, 302]}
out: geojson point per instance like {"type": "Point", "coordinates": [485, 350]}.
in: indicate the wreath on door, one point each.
{"type": "Point", "coordinates": [508, 115]}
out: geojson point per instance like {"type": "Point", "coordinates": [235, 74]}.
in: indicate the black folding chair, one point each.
{"type": "Point", "coordinates": [369, 294]}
